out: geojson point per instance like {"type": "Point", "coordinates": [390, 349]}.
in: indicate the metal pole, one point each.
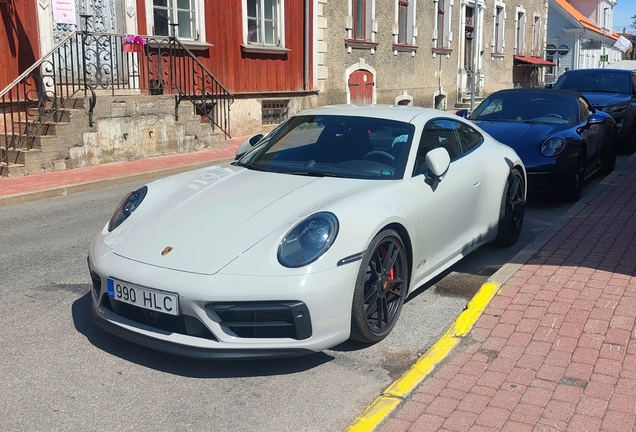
{"type": "Point", "coordinates": [475, 59]}
{"type": "Point", "coordinates": [306, 48]}
{"type": "Point", "coordinates": [604, 19]}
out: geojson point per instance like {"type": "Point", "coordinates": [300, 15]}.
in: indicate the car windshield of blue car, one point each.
{"type": "Point", "coordinates": [596, 82]}
{"type": "Point", "coordinates": [334, 146]}
{"type": "Point", "coordinates": [527, 108]}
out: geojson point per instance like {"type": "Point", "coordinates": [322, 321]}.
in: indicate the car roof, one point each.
{"type": "Point", "coordinates": [570, 93]}
{"type": "Point", "coordinates": [402, 113]}
{"type": "Point", "coordinates": [587, 71]}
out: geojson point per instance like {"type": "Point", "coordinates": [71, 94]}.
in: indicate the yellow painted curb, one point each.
{"type": "Point", "coordinates": [377, 411]}
{"type": "Point", "coordinates": [396, 392]}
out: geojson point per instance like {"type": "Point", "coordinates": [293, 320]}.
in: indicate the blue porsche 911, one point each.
{"type": "Point", "coordinates": [561, 138]}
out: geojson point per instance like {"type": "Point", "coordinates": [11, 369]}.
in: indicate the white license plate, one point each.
{"type": "Point", "coordinates": [159, 301]}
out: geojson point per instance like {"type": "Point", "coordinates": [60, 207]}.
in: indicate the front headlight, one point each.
{"type": "Point", "coordinates": [126, 206]}
{"type": "Point", "coordinates": [308, 240]}
{"type": "Point", "coordinates": [615, 108]}
{"type": "Point", "coordinates": [552, 146]}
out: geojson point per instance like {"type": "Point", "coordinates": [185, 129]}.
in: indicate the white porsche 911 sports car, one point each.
{"type": "Point", "coordinates": [314, 235]}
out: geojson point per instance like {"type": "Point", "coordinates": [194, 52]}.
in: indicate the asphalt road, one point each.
{"type": "Point", "coordinates": [61, 372]}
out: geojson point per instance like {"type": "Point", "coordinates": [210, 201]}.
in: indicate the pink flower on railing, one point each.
{"type": "Point", "coordinates": [135, 39]}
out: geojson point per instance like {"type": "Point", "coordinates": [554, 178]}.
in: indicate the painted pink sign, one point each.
{"type": "Point", "coordinates": [64, 11]}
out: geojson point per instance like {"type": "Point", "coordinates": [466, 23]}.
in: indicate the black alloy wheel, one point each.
{"type": "Point", "coordinates": [380, 289]}
{"type": "Point", "coordinates": [609, 159]}
{"type": "Point", "coordinates": [629, 144]}
{"type": "Point", "coordinates": [513, 208]}
{"type": "Point", "coordinates": [578, 178]}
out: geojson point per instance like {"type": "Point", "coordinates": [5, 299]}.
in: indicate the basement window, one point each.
{"type": "Point", "coordinates": [275, 111]}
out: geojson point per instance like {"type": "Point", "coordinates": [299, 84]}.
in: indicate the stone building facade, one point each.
{"type": "Point", "coordinates": [422, 52]}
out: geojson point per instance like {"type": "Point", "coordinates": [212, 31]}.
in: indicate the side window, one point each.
{"type": "Point", "coordinates": [492, 110]}
{"type": "Point", "coordinates": [584, 111]}
{"type": "Point", "coordinates": [188, 14]}
{"type": "Point", "coordinates": [362, 19]}
{"type": "Point", "coordinates": [468, 137]}
{"type": "Point", "coordinates": [442, 32]}
{"type": "Point", "coordinates": [500, 24]}
{"type": "Point", "coordinates": [521, 31]}
{"type": "Point", "coordinates": [263, 20]}
{"type": "Point", "coordinates": [438, 133]}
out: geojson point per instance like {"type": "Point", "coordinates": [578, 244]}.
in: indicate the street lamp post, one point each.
{"type": "Point", "coordinates": [475, 59]}
{"type": "Point", "coordinates": [604, 19]}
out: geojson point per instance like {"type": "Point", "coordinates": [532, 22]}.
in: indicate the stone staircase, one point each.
{"type": "Point", "coordinates": [125, 127]}
{"type": "Point", "coordinates": [465, 102]}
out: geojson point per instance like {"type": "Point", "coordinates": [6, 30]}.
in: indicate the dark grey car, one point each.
{"type": "Point", "coordinates": [612, 91]}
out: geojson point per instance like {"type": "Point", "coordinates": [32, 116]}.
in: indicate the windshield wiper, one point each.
{"type": "Point", "coordinates": [497, 120]}
{"type": "Point", "coordinates": [249, 166]}
{"type": "Point", "coordinates": [310, 173]}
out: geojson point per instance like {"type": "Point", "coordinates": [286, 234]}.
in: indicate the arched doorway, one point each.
{"type": "Point", "coordinates": [361, 85]}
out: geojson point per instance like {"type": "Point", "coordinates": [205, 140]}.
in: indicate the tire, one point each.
{"type": "Point", "coordinates": [629, 144]}
{"type": "Point", "coordinates": [578, 178]}
{"type": "Point", "coordinates": [609, 159]}
{"type": "Point", "coordinates": [513, 208]}
{"type": "Point", "coordinates": [381, 287]}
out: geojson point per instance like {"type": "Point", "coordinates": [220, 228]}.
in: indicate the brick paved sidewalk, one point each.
{"type": "Point", "coordinates": [37, 186]}
{"type": "Point", "coordinates": [555, 350]}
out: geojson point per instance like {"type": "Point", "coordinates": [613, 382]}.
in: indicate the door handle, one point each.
{"type": "Point", "coordinates": [476, 182]}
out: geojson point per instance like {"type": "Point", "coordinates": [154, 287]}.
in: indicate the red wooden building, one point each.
{"type": "Point", "coordinates": [261, 51]}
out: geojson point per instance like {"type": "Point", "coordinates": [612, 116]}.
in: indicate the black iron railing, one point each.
{"type": "Point", "coordinates": [172, 68]}
{"type": "Point", "coordinates": [85, 64]}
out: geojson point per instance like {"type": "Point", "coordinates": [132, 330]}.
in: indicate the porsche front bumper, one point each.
{"type": "Point", "coordinates": [227, 316]}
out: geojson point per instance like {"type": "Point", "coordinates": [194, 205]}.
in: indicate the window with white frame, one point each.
{"type": "Point", "coordinates": [263, 22]}
{"type": "Point", "coordinates": [521, 31]}
{"type": "Point", "coordinates": [605, 23]}
{"type": "Point", "coordinates": [183, 17]}
{"type": "Point", "coordinates": [536, 35]}
{"type": "Point", "coordinates": [403, 21]}
{"type": "Point", "coordinates": [500, 24]}
{"type": "Point", "coordinates": [405, 30]}
{"type": "Point", "coordinates": [362, 19]}
{"type": "Point", "coordinates": [442, 33]}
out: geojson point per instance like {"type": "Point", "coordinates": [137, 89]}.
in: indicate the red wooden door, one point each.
{"type": "Point", "coordinates": [361, 87]}
{"type": "Point", "coordinates": [19, 47]}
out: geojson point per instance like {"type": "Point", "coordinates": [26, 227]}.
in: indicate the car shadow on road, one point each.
{"type": "Point", "coordinates": [187, 367]}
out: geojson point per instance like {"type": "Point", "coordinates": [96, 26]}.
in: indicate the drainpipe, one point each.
{"type": "Point", "coordinates": [306, 54]}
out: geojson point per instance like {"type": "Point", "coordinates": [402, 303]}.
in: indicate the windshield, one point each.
{"type": "Point", "coordinates": [334, 146]}
{"type": "Point", "coordinates": [528, 107]}
{"type": "Point", "coordinates": [593, 81]}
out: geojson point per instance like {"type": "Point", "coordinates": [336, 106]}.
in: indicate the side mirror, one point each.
{"type": "Point", "coordinates": [247, 144]}
{"type": "Point", "coordinates": [438, 161]}
{"type": "Point", "coordinates": [462, 113]}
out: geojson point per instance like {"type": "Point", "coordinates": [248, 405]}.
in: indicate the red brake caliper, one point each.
{"type": "Point", "coordinates": [391, 274]}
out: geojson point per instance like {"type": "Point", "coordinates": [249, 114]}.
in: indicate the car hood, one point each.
{"type": "Point", "coordinates": [520, 136]}
{"type": "Point", "coordinates": [606, 99]}
{"type": "Point", "coordinates": [212, 217]}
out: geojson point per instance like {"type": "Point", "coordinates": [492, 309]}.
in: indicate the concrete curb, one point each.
{"type": "Point", "coordinates": [391, 398]}
{"type": "Point", "coordinates": [58, 191]}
